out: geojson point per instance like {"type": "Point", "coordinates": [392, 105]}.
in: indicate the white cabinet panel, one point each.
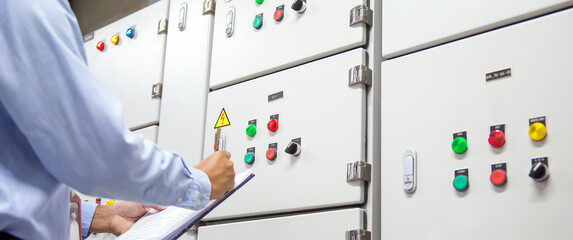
{"type": "Point", "coordinates": [185, 84]}
{"type": "Point", "coordinates": [130, 68]}
{"type": "Point", "coordinates": [430, 95]}
{"type": "Point", "coordinates": [317, 106]}
{"type": "Point", "coordinates": [411, 25]}
{"type": "Point", "coordinates": [318, 226]}
{"type": "Point", "coordinates": [322, 30]}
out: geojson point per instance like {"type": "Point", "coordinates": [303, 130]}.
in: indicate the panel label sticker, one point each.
{"type": "Point", "coordinates": [544, 160]}
{"type": "Point", "coordinates": [275, 96]}
{"type": "Point", "coordinates": [537, 119]}
{"type": "Point", "coordinates": [500, 127]}
{"type": "Point", "coordinates": [461, 134]}
{"type": "Point", "coordinates": [223, 120]}
{"type": "Point", "coordinates": [464, 172]}
{"type": "Point", "coordinates": [498, 74]}
{"type": "Point", "coordinates": [500, 166]}
{"type": "Point", "coordinates": [88, 37]}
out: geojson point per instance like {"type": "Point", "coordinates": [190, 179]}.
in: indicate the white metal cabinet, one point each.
{"type": "Point", "coordinates": [185, 84]}
{"type": "Point", "coordinates": [317, 226]}
{"type": "Point", "coordinates": [130, 68]}
{"type": "Point", "coordinates": [411, 25]}
{"type": "Point", "coordinates": [429, 95]}
{"type": "Point", "coordinates": [322, 30]}
{"type": "Point", "coordinates": [318, 106]}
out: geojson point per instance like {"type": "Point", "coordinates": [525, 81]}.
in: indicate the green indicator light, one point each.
{"type": "Point", "coordinates": [249, 158]}
{"type": "Point", "coordinates": [461, 183]}
{"type": "Point", "coordinates": [257, 23]}
{"type": "Point", "coordinates": [259, 1]}
{"type": "Point", "coordinates": [251, 130]}
{"type": "Point", "coordinates": [460, 145]}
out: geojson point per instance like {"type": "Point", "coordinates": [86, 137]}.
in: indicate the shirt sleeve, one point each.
{"type": "Point", "coordinates": [73, 123]}
{"type": "Point", "coordinates": [87, 214]}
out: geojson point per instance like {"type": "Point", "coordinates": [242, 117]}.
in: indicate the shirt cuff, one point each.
{"type": "Point", "coordinates": [200, 191]}
{"type": "Point", "coordinates": [88, 210]}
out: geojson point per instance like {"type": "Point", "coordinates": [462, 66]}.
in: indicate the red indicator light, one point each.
{"type": "Point", "coordinates": [99, 46]}
{"type": "Point", "coordinates": [271, 154]}
{"type": "Point", "coordinates": [273, 125]}
{"type": "Point", "coordinates": [498, 178]}
{"type": "Point", "coordinates": [496, 138]}
{"type": "Point", "coordinates": [279, 14]}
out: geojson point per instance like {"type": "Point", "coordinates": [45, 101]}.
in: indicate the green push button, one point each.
{"type": "Point", "coordinates": [251, 130]}
{"type": "Point", "coordinates": [257, 23]}
{"type": "Point", "coordinates": [460, 145]}
{"type": "Point", "coordinates": [259, 1]}
{"type": "Point", "coordinates": [249, 158]}
{"type": "Point", "coordinates": [461, 183]}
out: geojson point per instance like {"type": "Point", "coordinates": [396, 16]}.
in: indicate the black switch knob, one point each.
{"type": "Point", "coordinates": [293, 148]}
{"type": "Point", "coordinates": [299, 6]}
{"type": "Point", "coordinates": [539, 172]}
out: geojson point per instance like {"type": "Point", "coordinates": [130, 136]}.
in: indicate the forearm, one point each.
{"type": "Point", "coordinates": [101, 222]}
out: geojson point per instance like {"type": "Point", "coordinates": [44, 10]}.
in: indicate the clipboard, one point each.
{"type": "Point", "coordinates": [173, 222]}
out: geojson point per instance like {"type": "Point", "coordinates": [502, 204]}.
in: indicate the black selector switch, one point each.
{"type": "Point", "coordinates": [299, 6]}
{"type": "Point", "coordinates": [293, 148]}
{"type": "Point", "coordinates": [539, 171]}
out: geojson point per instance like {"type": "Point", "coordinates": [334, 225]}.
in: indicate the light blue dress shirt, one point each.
{"type": "Point", "coordinates": [87, 213]}
{"type": "Point", "coordinates": [60, 127]}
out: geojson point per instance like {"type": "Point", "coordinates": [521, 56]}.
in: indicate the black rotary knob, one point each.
{"type": "Point", "coordinates": [539, 172]}
{"type": "Point", "coordinates": [293, 148]}
{"type": "Point", "coordinates": [299, 6]}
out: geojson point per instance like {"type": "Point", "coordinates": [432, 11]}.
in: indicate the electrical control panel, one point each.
{"type": "Point", "coordinates": [252, 38]}
{"type": "Point", "coordinates": [412, 25]}
{"type": "Point", "coordinates": [127, 56]}
{"type": "Point", "coordinates": [185, 83]}
{"type": "Point", "coordinates": [333, 225]}
{"type": "Point", "coordinates": [301, 131]}
{"type": "Point", "coordinates": [488, 120]}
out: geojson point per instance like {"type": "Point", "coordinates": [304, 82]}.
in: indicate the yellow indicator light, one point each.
{"type": "Point", "coordinates": [537, 131]}
{"type": "Point", "coordinates": [114, 39]}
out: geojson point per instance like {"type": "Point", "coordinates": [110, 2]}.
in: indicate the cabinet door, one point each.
{"type": "Point", "coordinates": [186, 79]}
{"type": "Point", "coordinates": [412, 25]}
{"type": "Point", "coordinates": [131, 67]}
{"type": "Point", "coordinates": [511, 76]}
{"type": "Point", "coordinates": [317, 226]}
{"type": "Point", "coordinates": [323, 29]}
{"type": "Point", "coordinates": [312, 105]}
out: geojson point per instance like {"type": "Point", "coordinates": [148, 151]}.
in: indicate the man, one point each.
{"type": "Point", "coordinates": [60, 127]}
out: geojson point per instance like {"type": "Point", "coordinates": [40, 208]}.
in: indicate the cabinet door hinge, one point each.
{"type": "Point", "coordinates": [361, 14]}
{"type": "Point", "coordinates": [360, 74]}
{"type": "Point", "coordinates": [358, 234]}
{"type": "Point", "coordinates": [358, 171]}
{"type": "Point", "coordinates": [209, 6]}
{"type": "Point", "coordinates": [157, 90]}
{"type": "Point", "coordinates": [162, 26]}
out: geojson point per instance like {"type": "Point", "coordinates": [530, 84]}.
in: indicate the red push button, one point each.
{"type": "Point", "coordinates": [498, 178]}
{"type": "Point", "coordinates": [496, 138]}
{"type": "Point", "coordinates": [279, 14]}
{"type": "Point", "coordinates": [99, 46]}
{"type": "Point", "coordinates": [271, 154]}
{"type": "Point", "coordinates": [273, 125]}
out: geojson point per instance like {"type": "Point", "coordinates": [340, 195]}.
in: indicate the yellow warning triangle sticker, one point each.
{"type": "Point", "coordinates": [223, 120]}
